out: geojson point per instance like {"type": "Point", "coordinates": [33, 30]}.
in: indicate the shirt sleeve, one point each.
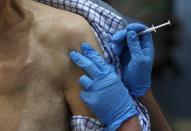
{"type": "Point", "coordinates": [82, 123]}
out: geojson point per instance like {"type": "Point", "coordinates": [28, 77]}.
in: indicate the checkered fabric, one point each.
{"type": "Point", "coordinates": [81, 123]}
{"type": "Point", "coordinates": [104, 23]}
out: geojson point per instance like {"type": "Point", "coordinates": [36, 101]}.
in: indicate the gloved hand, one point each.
{"type": "Point", "coordinates": [103, 91]}
{"type": "Point", "coordinates": [136, 54]}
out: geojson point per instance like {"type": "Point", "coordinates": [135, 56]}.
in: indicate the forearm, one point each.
{"type": "Point", "coordinates": [158, 121]}
{"type": "Point", "coordinates": [131, 124]}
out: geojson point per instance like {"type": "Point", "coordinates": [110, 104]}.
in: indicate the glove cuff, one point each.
{"type": "Point", "coordinates": [140, 93]}
{"type": "Point", "coordinates": [123, 112]}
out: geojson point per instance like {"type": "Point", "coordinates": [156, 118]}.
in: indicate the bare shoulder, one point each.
{"type": "Point", "coordinates": [58, 32]}
{"type": "Point", "coordinates": [60, 25]}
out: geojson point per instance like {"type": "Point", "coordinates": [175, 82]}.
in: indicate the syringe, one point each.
{"type": "Point", "coordinates": [153, 28]}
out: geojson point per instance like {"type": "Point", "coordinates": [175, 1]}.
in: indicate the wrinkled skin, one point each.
{"type": "Point", "coordinates": [37, 78]}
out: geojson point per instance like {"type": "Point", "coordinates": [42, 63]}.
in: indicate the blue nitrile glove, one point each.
{"type": "Point", "coordinates": [136, 55]}
{"type": "Point", "coordinates": [103, 91]}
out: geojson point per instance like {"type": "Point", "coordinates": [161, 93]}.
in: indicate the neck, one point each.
{"type": "Point", "coordinates": [11, 13]}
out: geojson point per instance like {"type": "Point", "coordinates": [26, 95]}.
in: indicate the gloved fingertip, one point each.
{"type": "Point", "coordinates": [136, 27]}
{"type": "Point", "coordinates": [132, 26]}
{"type": "Point", "coordinates": [132, 34]}
{"type": "Point", "coordinates": [84, 44]}
{"type": "Point", "coordinates": [73, 55]}
{"type": "Point", "coordinates": [83, 95]}
{"type": "Point", "coordinates": [85, 47]}
{"type": "Point", "coordinates": [119, 36]}
{"type": "Point", "coordinates": [117, 49]}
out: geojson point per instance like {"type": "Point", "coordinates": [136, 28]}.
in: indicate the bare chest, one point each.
{"type": "Point", "coordinates": [30, 96]}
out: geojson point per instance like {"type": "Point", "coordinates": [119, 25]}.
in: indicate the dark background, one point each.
{"type": "Point", "coordinates": [171, 78]}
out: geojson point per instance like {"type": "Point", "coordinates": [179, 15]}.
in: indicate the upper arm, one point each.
{"type": "Point", "coordinates": [80, 33]}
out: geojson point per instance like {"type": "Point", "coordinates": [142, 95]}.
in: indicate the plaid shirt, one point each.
{"type": "Point", "coordinates": [104, 23]}
{"type": "Point", "coordinates": [82, 123]}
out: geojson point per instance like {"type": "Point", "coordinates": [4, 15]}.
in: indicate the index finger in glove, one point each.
{"type": "Point", "coordinates": [119, 36]}
{"type": "Point", "coordinates": [145, 38]}
{"type": "Point", "coordinates": [136, 27]}
{"type": "Point", "coordinates": [85, 64]}
{"type": "Point", "coordinates": [94, 56]}
{"type": "Point", "coordinates": [118, 42]}
{"type": "Point", "coordinates": [118, 48]}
